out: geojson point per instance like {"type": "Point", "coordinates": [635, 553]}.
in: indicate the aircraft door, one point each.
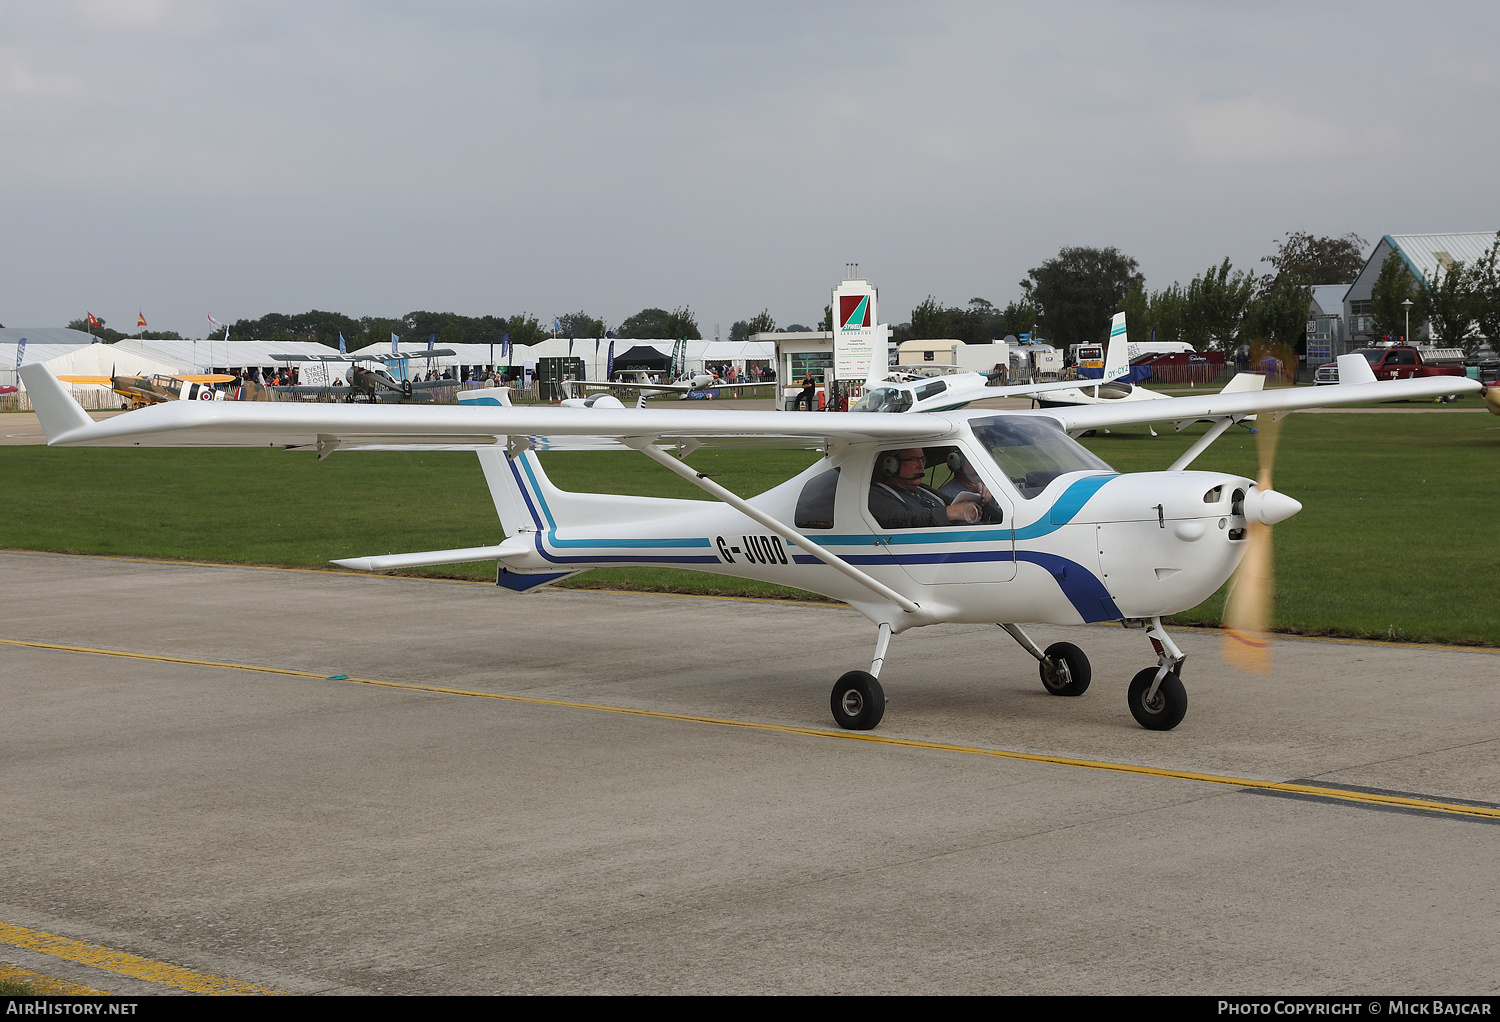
{"type": "Point", "coordinates": [937, 513]}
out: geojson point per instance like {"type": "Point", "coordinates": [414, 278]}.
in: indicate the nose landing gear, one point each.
{"type": "Point", "coordinates": [1157, 698]}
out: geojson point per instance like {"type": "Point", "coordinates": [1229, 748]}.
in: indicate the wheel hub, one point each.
{"type": "Point", "coordinates": [852, 702]}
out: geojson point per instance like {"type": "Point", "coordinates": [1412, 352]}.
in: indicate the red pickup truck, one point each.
{"type": "Point", "coordinates": [1398, 362]}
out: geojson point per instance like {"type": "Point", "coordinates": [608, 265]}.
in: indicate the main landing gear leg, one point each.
{"type": "Point", "coordinates": [1064, 668]}
{"type": "Point", "coordinates": [1157, 697]}
{"type": "Point", "coordinates": [858, 701]}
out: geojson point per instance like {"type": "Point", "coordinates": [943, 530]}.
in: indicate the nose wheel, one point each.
{"type": "Point", "coordinates": [1157, 707]}
{"type": "Point", "coordinates": [1157, 697]}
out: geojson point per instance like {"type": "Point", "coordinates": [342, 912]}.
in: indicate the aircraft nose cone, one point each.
{"type": "Point", "coordinates": [1272, 507]}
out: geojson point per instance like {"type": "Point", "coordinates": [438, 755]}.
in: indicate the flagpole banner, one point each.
{"type": "Point", "coordinates": [394, 341]}
{"type": "Point", "coordinates": [342, 349]}
{"type": "Point", "coordinates": [20, 352]}
{"type": "Point", "coordinates": [609, 362]}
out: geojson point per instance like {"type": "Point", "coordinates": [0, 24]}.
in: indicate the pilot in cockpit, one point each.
{"type": "Point", "coordinates": [965, 484]}
{"type": "Point", "coordinates": [900, 500]}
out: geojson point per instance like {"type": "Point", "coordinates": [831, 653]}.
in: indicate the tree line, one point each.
{"type": "Point", "coordinates": [1068, 299]}
{"type": "Point", "coordinates": [445, 328]}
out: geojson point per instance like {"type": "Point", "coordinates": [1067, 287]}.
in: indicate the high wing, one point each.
{"type": "Point", "coordinates": [1356, 385]}
{"type": "Point", "coordinates": [329, 427]}
{"type": "Point", "coordinates": [105, 381]}
{"type": "Point", "coordinates": [308, 388]}
{"type": "Point", "coordinates": [616, 385]}
{"type": "Point", "coordinates": [333, 427]}
{"type": "Point", "coordinates": [677, 387]}
{"type": "Point", "coordinates": [397, 357]}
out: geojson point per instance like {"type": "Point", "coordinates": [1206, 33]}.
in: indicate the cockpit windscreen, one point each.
{"type": "Point", "coordinates": [883, 399]}
{"type": "Point", "coordinates": [1032, 451]}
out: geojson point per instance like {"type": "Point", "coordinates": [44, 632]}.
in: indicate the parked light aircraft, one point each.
{"type": "Point", "coordinates": [688, 384]}
{"type": "Point", "coordinates": [140, 391]}
{"type": "Point", "coordinates": [1112, 386]}
{"type": "Point", "coordinates": [905, 392]}
{"type": "Point", "coordinates": [1051, 534]}
{"type": "Point", "coordinates": [371, 384]}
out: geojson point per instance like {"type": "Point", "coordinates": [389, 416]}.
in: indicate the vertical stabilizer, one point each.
{"type": "Point", "coordinates": [1117, 356]}
{"type": "Point", "coordinates": [505, 490]}
{"type": "Point", "coordinates": [55, 408]}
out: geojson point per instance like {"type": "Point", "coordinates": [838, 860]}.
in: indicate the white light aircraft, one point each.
{"type": "Point", "coordinates": [920, 519]}
{"type": "Point", "coordinates": [1112, 387]}
{"type": "Point", "coordinates": [686, 385]}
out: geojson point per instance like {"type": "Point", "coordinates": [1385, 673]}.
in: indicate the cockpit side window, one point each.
{"type": "Point", "coordinates": [815, 504]}
{"type": "Point", "coordinates": [925, 488]}
{"type": "Point", "coordinates": [927, 390]}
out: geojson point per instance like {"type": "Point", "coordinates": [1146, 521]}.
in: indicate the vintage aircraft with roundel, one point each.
{"type": "Point", "coordinates": [915, 519]}
{"type": "Point", "coordinates": [140, 391]}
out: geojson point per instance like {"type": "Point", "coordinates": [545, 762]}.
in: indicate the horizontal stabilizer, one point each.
{"type": "Point", "coordinates": [418, 560]}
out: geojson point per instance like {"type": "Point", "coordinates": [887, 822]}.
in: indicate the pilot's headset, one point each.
{"type": "Point", "coordinates": [955, 462]}
{"type": "Point", "coordinates": [888, 465]}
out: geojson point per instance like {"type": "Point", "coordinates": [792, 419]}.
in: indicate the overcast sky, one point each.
{"type": "Point", "coordinates": [183, 158]}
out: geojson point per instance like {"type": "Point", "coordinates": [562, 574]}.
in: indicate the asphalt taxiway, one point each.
{"type": "Point", "coordinates": [319, 782]}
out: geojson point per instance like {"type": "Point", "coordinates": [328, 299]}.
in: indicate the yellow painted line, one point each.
{"type": "Point", "coordinates": [47, 986]}
{"type": "Point", "coordinates": [125, 963]}
{"type": "Point", "coordinates": [1368, 798]}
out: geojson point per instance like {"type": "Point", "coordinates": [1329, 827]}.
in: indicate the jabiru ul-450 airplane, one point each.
{"type": "Point", "coordinates": [914, 519]}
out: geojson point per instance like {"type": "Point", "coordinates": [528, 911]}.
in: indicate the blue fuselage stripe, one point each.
{"type": "Point", "coordinates": [1082, 588]}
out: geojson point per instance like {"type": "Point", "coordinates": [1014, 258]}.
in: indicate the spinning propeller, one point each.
{"type": "Point", "coordinates": [1247, 614]}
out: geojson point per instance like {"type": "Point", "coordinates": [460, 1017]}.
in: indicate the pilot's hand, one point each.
{"type": "Point", "coordinates": [966, 511]}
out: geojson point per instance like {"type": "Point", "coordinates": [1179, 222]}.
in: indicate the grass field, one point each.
{"type": "Point", "coordinates": [1397, 538]}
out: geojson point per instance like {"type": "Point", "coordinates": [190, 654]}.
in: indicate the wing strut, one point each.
{"type": "Point", "coordinates": [698, 479]}
{"type": "Point", "coordinates": [1201, 444]}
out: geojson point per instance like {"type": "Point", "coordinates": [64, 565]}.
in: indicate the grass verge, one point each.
{"type": "Point", "coordinates": [1397, 538]}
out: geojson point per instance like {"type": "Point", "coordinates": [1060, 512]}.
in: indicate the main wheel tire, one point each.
{"type": "Point", "coordinates": [1071, 675]}
{"type": "Point", "coordinates": [1165, 711]}
{"type": "Point", "coordinates": [858, 701]}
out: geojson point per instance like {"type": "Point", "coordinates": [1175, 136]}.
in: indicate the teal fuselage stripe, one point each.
{"type": "Point", "coordinates": [552, 539]}
{"type": "Point", "coordinates": [1063, 511]}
